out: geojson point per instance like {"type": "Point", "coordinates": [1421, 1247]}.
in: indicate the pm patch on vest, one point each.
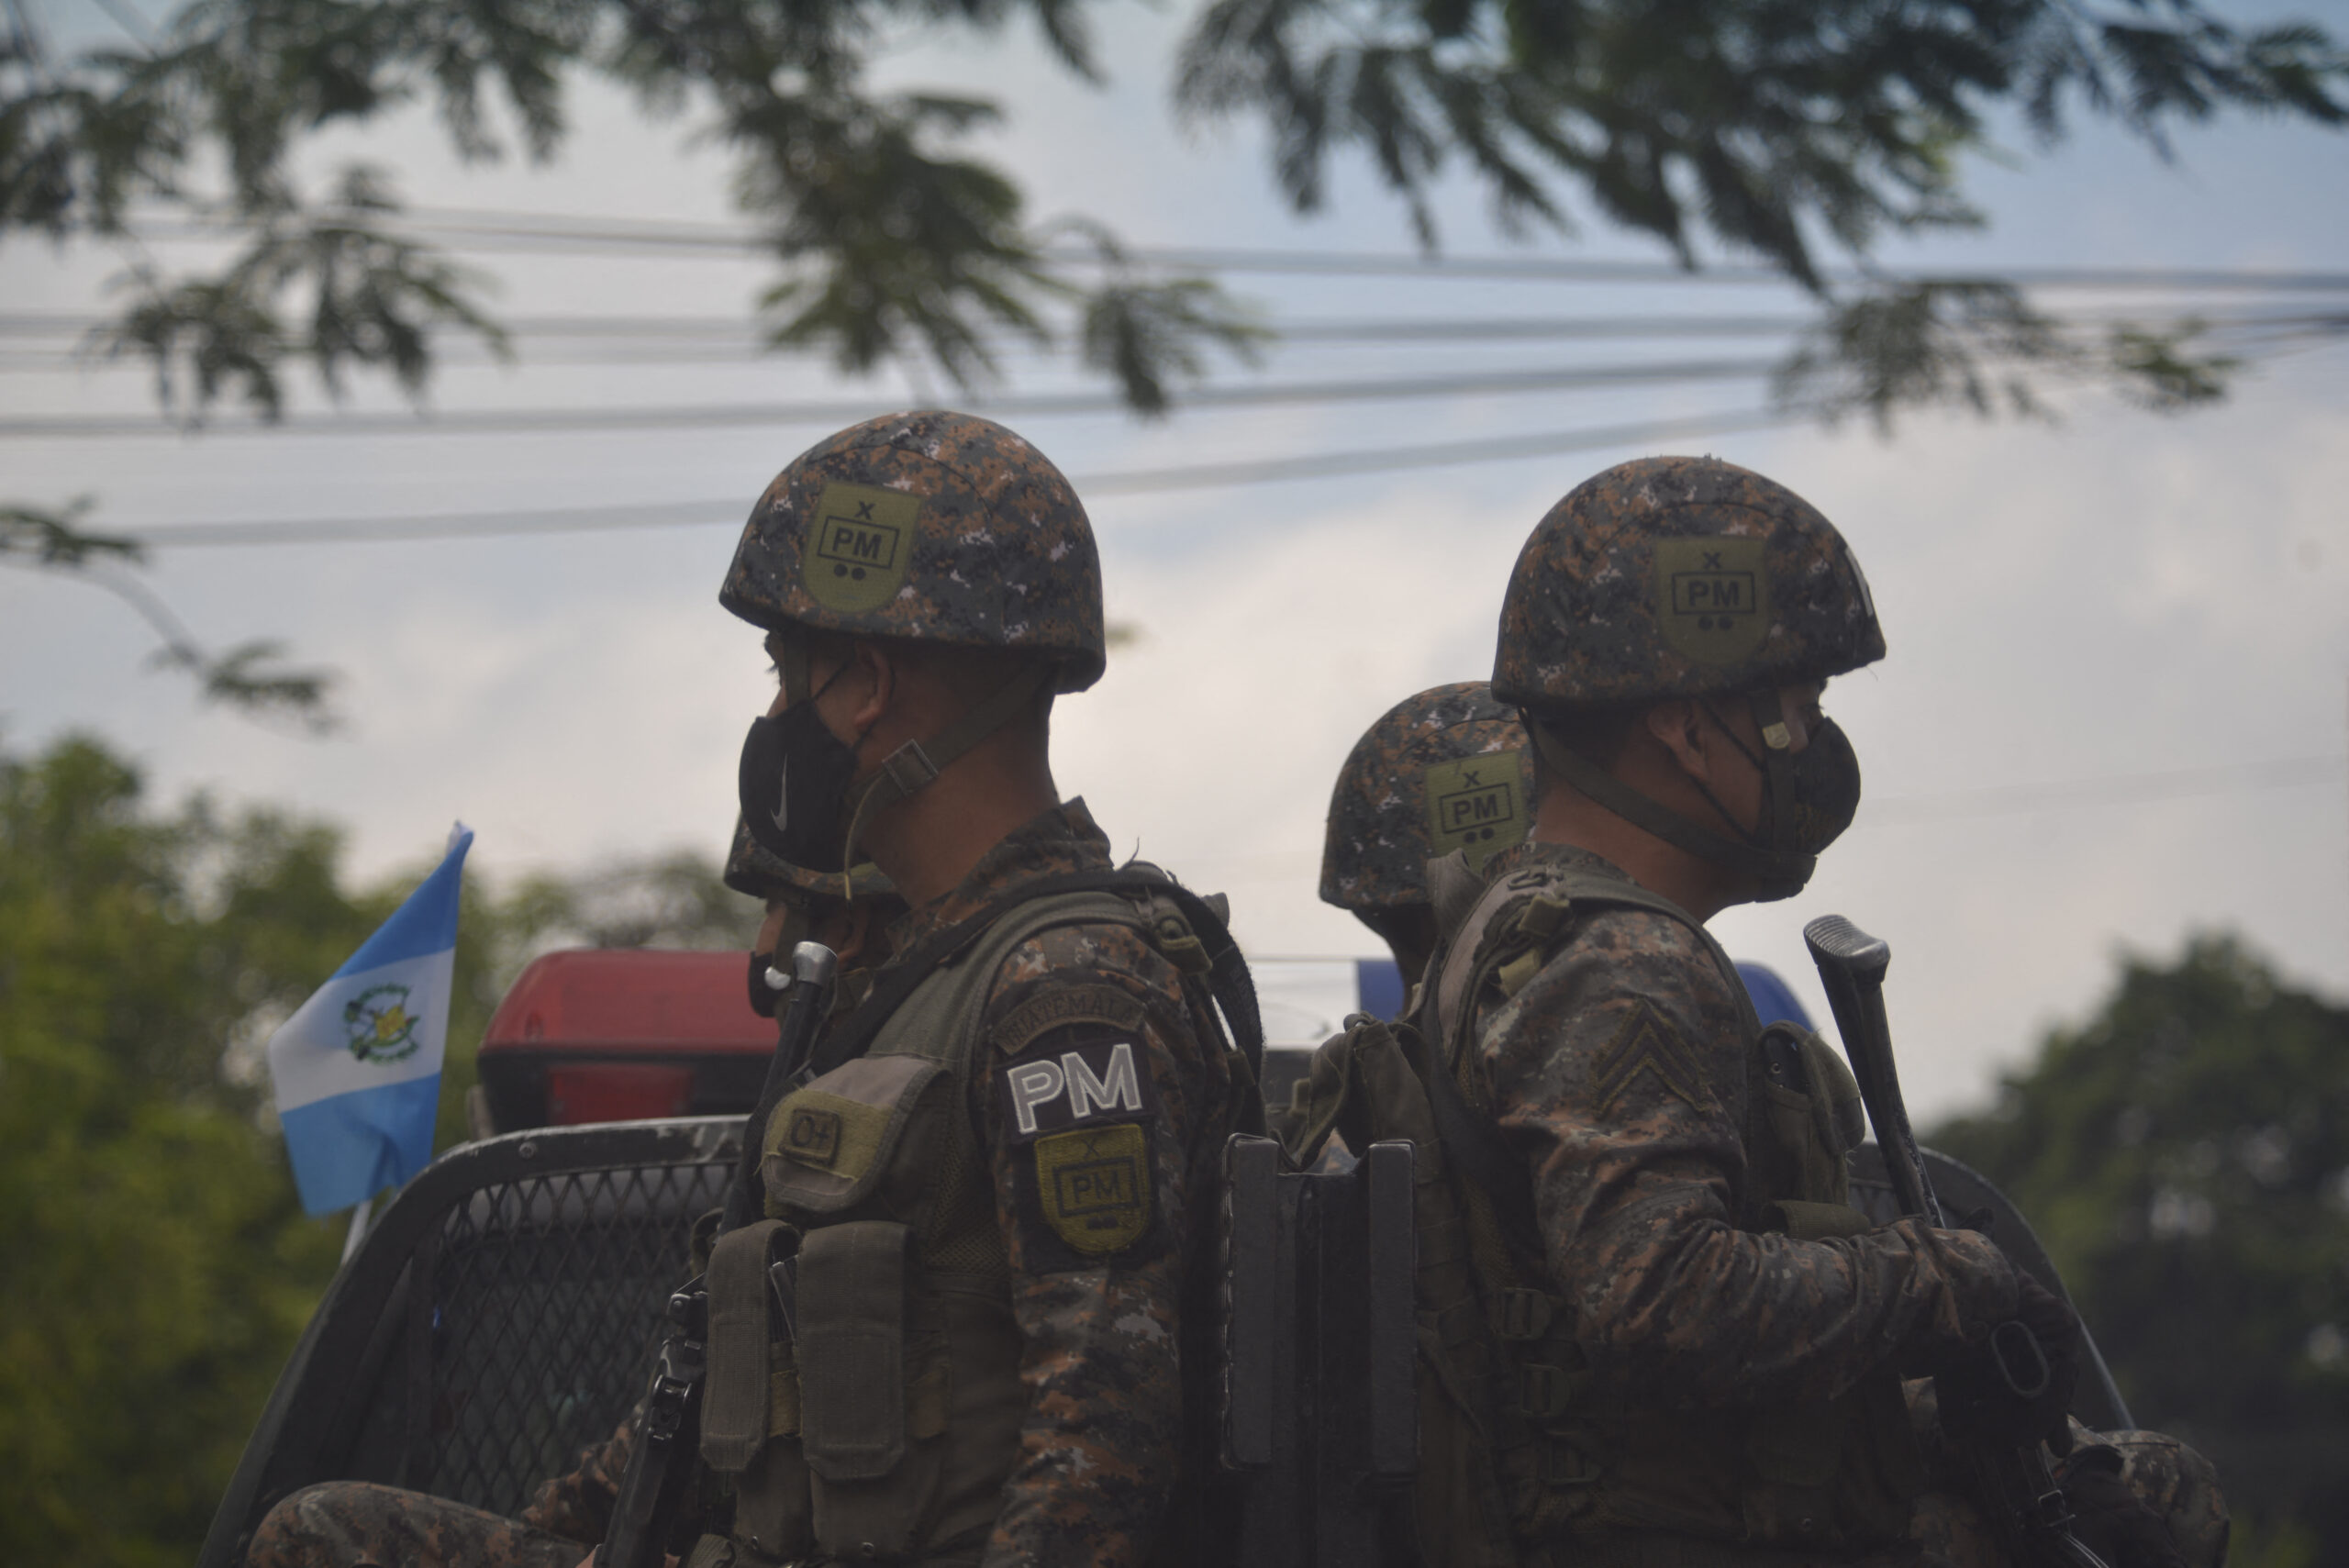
{"type": "Point", "coordinates": [1074, 1111]}
{"type": "Point", "coordinates": [1085, 1076]}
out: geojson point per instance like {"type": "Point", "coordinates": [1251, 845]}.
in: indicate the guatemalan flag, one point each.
{"type": "Point", "coordinates": [357, 1071]}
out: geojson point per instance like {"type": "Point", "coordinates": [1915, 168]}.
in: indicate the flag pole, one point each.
{"type": "Point", "coordinates": [359, 1214]}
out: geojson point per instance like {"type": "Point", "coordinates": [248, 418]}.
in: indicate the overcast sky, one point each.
{"type": "Point", "coordinates": [2113, 714]}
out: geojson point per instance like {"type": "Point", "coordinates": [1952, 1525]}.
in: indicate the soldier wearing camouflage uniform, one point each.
{"type": "Point", "coordinates": [979, 1277]}
{"type": "Point", "coordinates": [1449, 769]}
{"type": "Point", "coordinates": [341, 1524]}
{"type": "Point", "coordinates": [1704, 1345]}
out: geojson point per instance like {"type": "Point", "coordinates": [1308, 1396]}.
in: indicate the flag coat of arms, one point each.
{"type": "Point", "coordinates": [357, 1070]}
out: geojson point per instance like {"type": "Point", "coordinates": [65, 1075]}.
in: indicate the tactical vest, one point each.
{"type": "Point", "coordinates": [863, 1388]}
{"type": "Point", "coordinates": [1616, 1482]}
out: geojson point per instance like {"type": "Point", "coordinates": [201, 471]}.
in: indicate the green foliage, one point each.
{"type": "Point", "coordinates": [247, 677]}
{"type": "Point", "coordinates": [1138, 329]}
{"type": "Point", "coordinates": [56, 539]}
{"type": "Point", "coordinates": [1766, 122]}
{"type": "Point", "coordinates": [893, 244]}
{"type": "Point", "coordinates": [373, 297]}
{"type": "Point", "coordinates": [2185, 1155]}
{"type": "Point", "coordinates": [1979, 344]}
{"type": "Point", "coordinates": [1767, 126]}
{"type": "Point", "coordinates": [155, 1266]}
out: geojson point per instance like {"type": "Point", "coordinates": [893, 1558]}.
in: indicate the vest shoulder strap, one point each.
{"type": "Point", "coordinates": [1532, 903]}
{"type": "Point", "coordinates": [1233, 988]}
{"type": "Point", "coordinates": [941, 1019]}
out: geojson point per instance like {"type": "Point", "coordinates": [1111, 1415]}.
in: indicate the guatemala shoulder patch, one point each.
{"type": "Point", "coordinates": [1077, 1057]}
{"type": "Point", "coordinates": [1075, 1105]}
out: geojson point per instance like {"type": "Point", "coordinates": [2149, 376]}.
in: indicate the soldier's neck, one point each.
{"type": "Point", "coordinates": [1567, 816]}
{"type": "Point", "coordinates": [928, 843]}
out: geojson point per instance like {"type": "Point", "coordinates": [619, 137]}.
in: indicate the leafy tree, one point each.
{"type": "Point", "coordinates": [247, 677]}
{"type": "Point", "coordinates": [155, 1267]}
{"type": "Point", "coordinates": [891, 243]}
{"type": "Point", "coordinates": [2185, 1155]}
{"type": "Point", "coordinates": [1770, 127]}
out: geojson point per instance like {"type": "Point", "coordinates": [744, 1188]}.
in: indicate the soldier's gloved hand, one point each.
{"type": "Point", "coordinates": [2013, 1387]}
{"type": "Point", "coordinates": [2112, 1520]}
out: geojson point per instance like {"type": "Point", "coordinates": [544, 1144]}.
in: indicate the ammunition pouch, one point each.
{"type": "Point", "coordinates": [890, 1407]}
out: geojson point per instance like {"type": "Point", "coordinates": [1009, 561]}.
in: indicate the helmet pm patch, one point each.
{"type": "Point", "coordinates": [1712, 596]}
{"type": "Point", "coordinates": [1476, 804]}
{"type": "Point", "coordinates": [857, 545]}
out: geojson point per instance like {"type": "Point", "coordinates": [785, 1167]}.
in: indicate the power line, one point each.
{"type": "Point", "coordinates": [711, 338]}
{"type": "Point", "coordinates": [747, 332]}
{"type": "Point", "coordinates": [492, 231]}
{"type": "Point", "coordinates": [732, 510]}
{"type": "Point", "coordinates": [509, 421]}
{"type": "Point", "coordinates": [2179, 783]}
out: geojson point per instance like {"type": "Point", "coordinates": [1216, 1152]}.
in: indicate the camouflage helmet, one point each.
{"type": "Point", "coordinates": [1679, 576]}
{"type": "Point", "coordinates": [752, 869]}
{"type": "Point", "coordinates": [932, 525]}
{"type": "Point", "coordinates": [1449, 769]}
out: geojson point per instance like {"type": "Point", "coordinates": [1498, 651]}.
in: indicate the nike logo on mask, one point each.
{"type": "Point", "coordinates": [782, 813]}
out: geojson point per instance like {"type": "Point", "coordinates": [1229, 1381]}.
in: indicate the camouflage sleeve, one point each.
{"type": "Point", "coordinates": [1618, 1071]}
{"type": "Point", "coordinates": [1093, 1092]}
{"type": "Point", "coordinates": [579, 1505]}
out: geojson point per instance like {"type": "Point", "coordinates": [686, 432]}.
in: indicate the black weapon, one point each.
{"type": "Point", "coordinates": [1320, 1432]}
{"type": "Point", "coordinates": [2028, 1508]}
{"type": "Point", "coordinates": [668, 1429]}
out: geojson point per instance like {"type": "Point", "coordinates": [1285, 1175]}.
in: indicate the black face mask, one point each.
{"type": "Point", "coordinates": [1823, 793]}
{"type": "Point", "coordinates": [1808, 797]}
{"type": "Point", "coordinates": [794, 784]}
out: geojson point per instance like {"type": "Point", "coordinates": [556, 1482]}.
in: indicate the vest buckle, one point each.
{"type": "Point", "coordinates": [1545, 1391]}
{"type": "Point", "coordinates": [1525, 1314]}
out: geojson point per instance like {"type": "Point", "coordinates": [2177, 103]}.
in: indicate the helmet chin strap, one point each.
{"type": "Point", "coordinates": [913, 765]}
{"type": "Point", "coordinates": [1771, 867]}
{"type": "Point", "coordinates": [1776, 830]}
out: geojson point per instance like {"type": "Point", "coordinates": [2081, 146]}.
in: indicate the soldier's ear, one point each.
{"type": "Point", "coordinates": [874, 683]}
{"type": "Point", "coordinates": [1678, 727]}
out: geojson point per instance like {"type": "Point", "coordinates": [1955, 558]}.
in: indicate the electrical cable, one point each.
{"type": "Point", "coordinates": [508, 421]}
{"type": "Point", "coordinates": [730, 510]}
{"type": "Point", "coordinates": [2177, 783]}
{"type": "Point", "coordinates": [655, 340]}
{"type": "Point", "coordinates": [485, 230]}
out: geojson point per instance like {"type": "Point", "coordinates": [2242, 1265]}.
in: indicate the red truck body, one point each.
{"type": "Point", "coordinates": [608, 1034]}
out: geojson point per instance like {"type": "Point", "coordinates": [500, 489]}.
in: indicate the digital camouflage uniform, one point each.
{"type": "Point", "coordinates": [1047, 1229]}
{"type": "Point", "coordinates": [1448, 769]}
{"type": "Point", "coordinates": [1727, 1388]}
{"type": "Point", "coordinates": [1101, 1441]}
{"type": "Point", "coordinates": [358, 1524]}
{"type": "Point", "coordinates": [935, 528]}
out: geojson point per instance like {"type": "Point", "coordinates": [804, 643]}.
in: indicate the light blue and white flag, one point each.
{"type": "Point", "coordinates": [357, 1070]}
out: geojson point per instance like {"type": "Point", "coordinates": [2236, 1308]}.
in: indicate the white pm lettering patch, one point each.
{"type": "Point", "coordinates": [1048, 1093]}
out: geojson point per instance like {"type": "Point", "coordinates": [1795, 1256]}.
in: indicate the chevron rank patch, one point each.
{"type": "Point", "coordinates": [1647, 1046]}
{"type": "Point", "coordinates": [1093, 1187]}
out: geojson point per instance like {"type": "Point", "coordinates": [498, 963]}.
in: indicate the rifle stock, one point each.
{"type": "Point", "coordinates": [2027, 1507]}
{"type": "Point", "coordinates": [668, 1428]}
